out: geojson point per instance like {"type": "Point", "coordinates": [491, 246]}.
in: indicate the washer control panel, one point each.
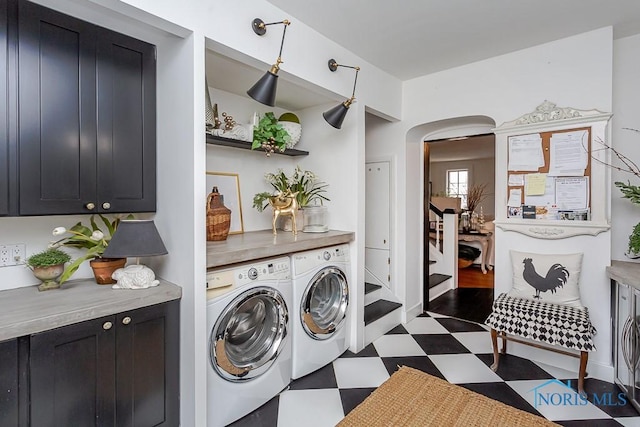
{"type": "Point", "coordinates": [305, 261]}
{"type": "Point", "coordinates": [275, 269]}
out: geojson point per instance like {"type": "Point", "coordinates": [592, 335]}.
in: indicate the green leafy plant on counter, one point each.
{"type": "Point", "coordinates": [309, 188]}
{"type": "Point", "coordinates": [91, 238]}
{"type": "Point", "coordinates": [48, 258]}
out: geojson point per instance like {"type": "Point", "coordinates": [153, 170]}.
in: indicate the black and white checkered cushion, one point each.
{"type": "Point", "coordinates": [554, 324]}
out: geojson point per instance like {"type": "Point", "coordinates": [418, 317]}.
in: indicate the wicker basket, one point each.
{"type": "Point", "coordinates": [218, 217]}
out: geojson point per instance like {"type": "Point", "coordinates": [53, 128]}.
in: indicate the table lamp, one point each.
{"type": "Point", "coordinates": [135, 238]}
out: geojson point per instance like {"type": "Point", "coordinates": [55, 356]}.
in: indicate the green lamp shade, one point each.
{"type": "Point", "coordinates": [264, 91]}
{"type": "Point", "coordinates": [336, 115]}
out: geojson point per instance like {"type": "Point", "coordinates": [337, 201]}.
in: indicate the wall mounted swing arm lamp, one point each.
{"type": "Point", "coordinates": [264, 91]}
{"type": "Point", "coordinates": [336, 115]}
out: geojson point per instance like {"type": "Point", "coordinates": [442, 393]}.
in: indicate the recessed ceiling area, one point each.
{"type": "Point", "coordinates": [474, 147]}
{"type": "Point", "coordinates": [235, 77]}
{"type": "Point", "coordinates": [413, 38]}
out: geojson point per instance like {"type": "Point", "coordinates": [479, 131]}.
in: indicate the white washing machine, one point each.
{"type": "Point", "coordinates": [321, 311]}
{"type": "Point", "coordinates": [250, 340]}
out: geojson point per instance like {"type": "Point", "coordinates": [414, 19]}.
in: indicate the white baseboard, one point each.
{"type": "Point", "coordinates": [409, 314]}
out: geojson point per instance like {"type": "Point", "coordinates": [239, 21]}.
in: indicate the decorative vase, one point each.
{"type": "Point", "coordinates": [294, 130]}
{"type": "Point", "coordinates": [48, 275]}
{"type": "Point", "coordinates": [315, 219]}
{"type": "Point", "coordinates": [218, 217]}
{"type": "Point", "coordinates": [103, 268]}
{"type": "Point", "coordinates": [287, 222]}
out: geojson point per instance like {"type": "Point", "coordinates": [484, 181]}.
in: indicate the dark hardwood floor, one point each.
{"type": "Point", "coordinates": [472, 299]}
{"type": "Point", "coordinates": [472, 277]}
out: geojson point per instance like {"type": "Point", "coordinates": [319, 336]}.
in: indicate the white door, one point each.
{"type": "Point", "coordinates": [378, 223]}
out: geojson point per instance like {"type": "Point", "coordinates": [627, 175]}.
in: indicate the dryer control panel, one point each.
{"type": "Point", "coordinates": [306, 261]}
{"type": "Point", "coordinates": [275, 269]}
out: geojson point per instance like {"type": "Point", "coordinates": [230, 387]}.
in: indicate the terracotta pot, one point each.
{"type": "Point", "coordinates": [104, 267]}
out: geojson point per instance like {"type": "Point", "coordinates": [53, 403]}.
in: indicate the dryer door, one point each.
{"type": "Point", "coordinates": [249, 334]}
{"type": "Point", "coordinates": [324, 303]}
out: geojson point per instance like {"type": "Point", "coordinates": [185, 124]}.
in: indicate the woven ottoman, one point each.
{"type": "Point", "coordinates": [555, 324]}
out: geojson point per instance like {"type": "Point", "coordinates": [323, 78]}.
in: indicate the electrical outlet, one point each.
{"type": "Point", "coordinates": [5, 256]}
{"type": "Point", "coordinates": [12, 254]}
{"type": "Point", "coordinates": [19, 253]}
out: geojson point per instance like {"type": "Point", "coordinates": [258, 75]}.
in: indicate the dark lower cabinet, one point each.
{"type": "Point", "coordinates": [120, 370]}
{"type": "Point", "coordinates": [9, 380]}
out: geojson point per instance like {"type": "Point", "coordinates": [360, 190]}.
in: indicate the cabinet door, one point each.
{"type": "Point", "coordinates": [126, 167]}
{"type": "Point", "coordinates": [72, 379]}
{"type": "Point", "coordinates": [57, 110]}
{"type": "Point", "coordinates": [4, 111]}
{"type": "Point", "coordinates": [148, 366]}
{"type": "Point", "coordinates": [624, 333]}
{"type": "Point", "coordinates": [9, 376]}
{"type": "Point", "coordinates": [635, 347]}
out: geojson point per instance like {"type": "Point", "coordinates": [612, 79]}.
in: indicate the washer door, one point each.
{"type": "Point", "coordinates": [324, 303]}
{"type": "Point", "coordinates": [249, 334]}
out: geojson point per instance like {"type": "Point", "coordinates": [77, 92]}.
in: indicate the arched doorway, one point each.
{"type": "Point", "coordinates": [461, 133]}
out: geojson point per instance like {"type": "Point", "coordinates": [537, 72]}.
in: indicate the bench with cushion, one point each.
{"type": "Point", "coordinates": [556, 324]}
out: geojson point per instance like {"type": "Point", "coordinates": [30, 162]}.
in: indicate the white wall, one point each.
{"type": "Point", "coordinates": [626, 114]}
{"type": "Point", "coordinates": [502, 88]}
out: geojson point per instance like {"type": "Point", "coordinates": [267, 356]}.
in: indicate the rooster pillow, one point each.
{"type": "Point", "coordinates": [547, 278]}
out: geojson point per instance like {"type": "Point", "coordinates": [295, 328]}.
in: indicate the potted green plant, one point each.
{"type": "Point", "coordinates": [47, 266]}
{"type": "Point", "coordinates": [94, 241]}
{"type": "Point", "coordinates": [309, 188]}
{"type": "Point", "coordinates": [631, 192]}
{"type": "Point", "coordinates": [269, 135]}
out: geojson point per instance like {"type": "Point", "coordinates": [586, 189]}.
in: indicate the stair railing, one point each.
{"type": "Point", "coordinates": [449, 237]}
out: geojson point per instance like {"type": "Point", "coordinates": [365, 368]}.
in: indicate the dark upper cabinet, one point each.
{"type": "Point", "coordinates": [5, 173]}
{"type": "Point", "coordinates": [126, 163]}
{"type": "Point", "coordinates": [86, 129]}
{"type": "Point", "coordinates": [120, 370]}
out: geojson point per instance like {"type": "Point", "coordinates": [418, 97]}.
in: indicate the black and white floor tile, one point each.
{"type": "Point", "coordinates": [455, 350]}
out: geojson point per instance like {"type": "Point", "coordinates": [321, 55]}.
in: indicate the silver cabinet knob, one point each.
{"type": "Point", "coordinates": [90, 206]}
{"type": "Point", "coordinates": [106, 205]}
{"type": "Point", "coordinates": [126, 320]}
{"type": "Point", "coordinates": [107, 325]}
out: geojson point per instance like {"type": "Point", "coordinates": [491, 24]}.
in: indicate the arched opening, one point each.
{"type": "Point", "coordinates": [463, 144]}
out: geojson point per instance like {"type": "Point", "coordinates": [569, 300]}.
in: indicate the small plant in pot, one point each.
{"type": "Point", "coordinates": [269, 135]}
{"type": "Point", "coordinates": [94, 241]}
{"type": "Point", "coordinates": [47, 266]}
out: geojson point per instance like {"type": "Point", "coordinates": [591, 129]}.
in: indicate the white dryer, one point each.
{"type": "Point", "coordinates": [250, 338]}
{"type": "Point", "coordinates": [321, 298]}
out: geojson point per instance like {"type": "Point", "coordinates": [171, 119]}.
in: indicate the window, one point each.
{"type": "Point", "coordinates": [457, 184]}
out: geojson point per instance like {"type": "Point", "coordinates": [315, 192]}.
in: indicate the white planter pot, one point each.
{"type": "Point", "coordinates": [294, 130]}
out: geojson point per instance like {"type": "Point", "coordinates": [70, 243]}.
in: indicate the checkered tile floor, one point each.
{"type": "Point", "coordinates": [455, 350]}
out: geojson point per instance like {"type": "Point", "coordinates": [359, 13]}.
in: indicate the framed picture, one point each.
{"type": "Point", "coordinates": [229, 187]}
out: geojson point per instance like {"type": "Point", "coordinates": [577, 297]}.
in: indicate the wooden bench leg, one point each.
{"type": "Point", "coordinates": [496, 355]}
{"type": "Point", "coordinates": [584, 356]}
{"type": "Point", "coordinates": [504, 343]}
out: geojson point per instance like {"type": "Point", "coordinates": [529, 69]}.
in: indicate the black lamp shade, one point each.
{"type": "Point", "coordinates": [336, 115]}
{"type": "Point", "coordinates": [135, 238]}
{"type": "Point", "coordinates": [264, 91]}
